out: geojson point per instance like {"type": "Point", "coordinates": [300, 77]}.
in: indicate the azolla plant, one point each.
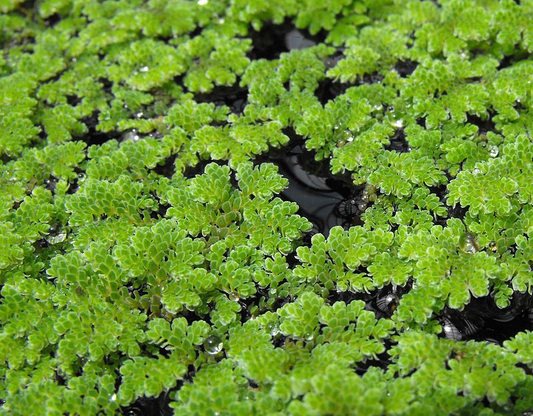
{"type": "Point", "coordinates": [250, 207]}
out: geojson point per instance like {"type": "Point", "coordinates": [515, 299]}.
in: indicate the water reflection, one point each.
{"type": "Point", "coordinates": [324, 199]}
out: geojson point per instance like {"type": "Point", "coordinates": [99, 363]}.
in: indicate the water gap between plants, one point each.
{"type": "Point", "coordinates": [326, 200]}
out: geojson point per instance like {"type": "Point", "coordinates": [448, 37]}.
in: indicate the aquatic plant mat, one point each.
{"type": "Point", "coordinates": [247, 207]}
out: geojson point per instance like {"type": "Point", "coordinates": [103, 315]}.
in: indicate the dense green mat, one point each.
{"type": "Point", "coordinates": [132, 268]}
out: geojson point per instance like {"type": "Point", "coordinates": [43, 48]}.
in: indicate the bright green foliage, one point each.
{"type": "Point", "coordinates": [16, 106]}
{"type": "Point", "coordinates": [301, 319]}
{"type": "Point", "coordinates": [338, 391]}
{"type": "Point", "coordinates": [217, 388]}
{"type": "Point", "coordinates": [99, 197]}
{"type": "Point", "coordinates": [216, 59]}
{"type": "Point", "coordinates": [365, 54]}
{"type": "Point", "coordinates": [61, 124]}
{"type": "Point", "coordinates": [148, 251]}
{"type": "Point", "coordinates": [522, 344]}
{"type": "Point", "coordinates": [132, 158]}
{"type": "Point", "coordinates": [239, 142]}
{"type": "Point", "coordinates": [147, 377]}
{"type": "Point", "coordinates": [191, 116]}
{"type": "Point", "coordinates": [484, 190]}
{"type": "Point", "coordinates": [252, 349]}
{"type": "Point", "coordinates": [477, 369]}
{"type": "Point", "coordinates": [32, 220]}
{"type": "Point", "coordinates": [445, 260]}
{"type": "Point", "coordinates": [335, 263]}
{"type": "Point", "coordinates": [211, 206]}
{"type": "Point", "coordinates": [145, 64]}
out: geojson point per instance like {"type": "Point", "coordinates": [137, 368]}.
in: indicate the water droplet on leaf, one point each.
{"type": "Point", "coordinates": [213, 345]}
{"type": "Point", "coordinates": [55, 239]}
{"type": "Point", "coordinates": [273, 329]}
{"type": "Point", "coordinates": [470, 244]}
{"type": "Point", "coordinates": [397, 123]}
{"type": "Point", "coordinates": [130, 135]}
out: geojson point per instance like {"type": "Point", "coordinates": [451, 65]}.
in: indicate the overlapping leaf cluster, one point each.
{"type": "Point", "coordinates": [145, 252]}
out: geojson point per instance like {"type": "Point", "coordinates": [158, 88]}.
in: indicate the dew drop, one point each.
{"type": "Point", "coordinates": [476, 171]}
{"type": "Point", "coordinates": [143, 69]}
{"type": "Point", "coordinates": [470, 248]}
{"type": "Point", "coordinates": [493, 151]}
{"type": "Point", "coordinates": [397, 123]}
{"type": "Point", "coordinates": [213, 345]}
{"type": "Point", "coordinates": [202, 2]}
{"type": "Point", "coordinates": [469, 244]}
{"type": "Point", "coordinates": [130, 136]}
{"type": "Point", "coordinates": [113, 398]}
{"type": "Point", "coordinates": [56, 239]}
{"type": "Point", "coordinates": [273, 329]}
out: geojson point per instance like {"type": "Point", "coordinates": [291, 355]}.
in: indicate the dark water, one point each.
{"type": "Point", "coordinates": [324, 199]}
{"type": "Point", "coordinates": [150, 406]}
{"type": "Point", "coordinates": [234, 97]}
{"type": "Point", "coordinates": [482, 320]}
{"type": "Point", "coordinates": [273, 40]}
